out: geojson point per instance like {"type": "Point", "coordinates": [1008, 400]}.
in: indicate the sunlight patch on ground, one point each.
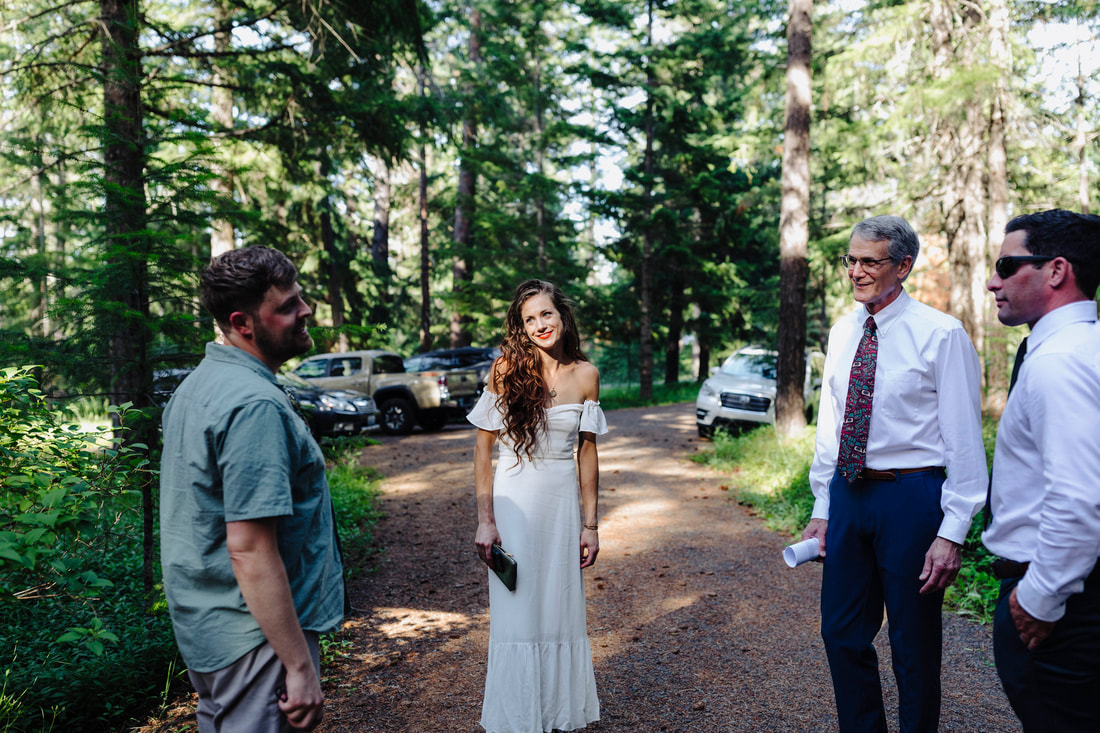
{"type": "Point", "coordinates": [668, 605]}
{"type": "Point", "coordinates": [414, 622]}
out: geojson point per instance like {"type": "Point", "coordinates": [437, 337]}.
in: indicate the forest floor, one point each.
{"type": "Point", "coordinates": [696, 623]}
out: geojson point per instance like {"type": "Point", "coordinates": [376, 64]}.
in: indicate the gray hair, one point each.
{"type": "Point", "coordinates": [902, 240]}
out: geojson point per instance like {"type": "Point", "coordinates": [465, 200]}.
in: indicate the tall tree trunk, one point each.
{"type": "Point", "coordinates": [222, 237]}
{"type": "Point", "coordinates": [794, 224]}
{"type": "Point", "coordinates": [1081, 138]}
{"type": "Point", "coordinates": [425, 253]}
{"type": "Point", "coordinates": [645, 275]}
{"type": "Point", "coordinates": [467, 183]}
{"type": "Point", "coordinates": [38, 207]}
{"type": "Point", "coordinates": [380, 236]}
{"type": "Point", "coordinates": [704, 358]}
{"type": "Point", "coordinates": [996, 357]}
{"type": "Point", "coordinates": [127, 243]}
{"type": "Point", "coordinates": [963, 154]}
{"type": "Point", "coordinates": [676, 307]}
{"type": "Point", "coordinates": [334, 259]}
{"type": "Point", "coordinates": [540, 159]}
{"type": "Point", "coordinates": [380, 241]}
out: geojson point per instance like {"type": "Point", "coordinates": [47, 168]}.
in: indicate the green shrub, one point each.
{"type": "Point", "coordinates": [355, 492]}
{"type": "Point", "coordinates": [80, 647]}
{"type": "Point", "coordinates": [773, 477]}
{"type": "Point", "coordinates": [614, 398]}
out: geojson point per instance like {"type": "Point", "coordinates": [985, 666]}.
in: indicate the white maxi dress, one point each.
{"type": "Point", "coordinates": [539, 676]}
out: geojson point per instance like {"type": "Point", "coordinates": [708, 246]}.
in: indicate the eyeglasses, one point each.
{"type": "Point", "coordinates": [1006, 267]}
{"type": "Point", "coordinates": [866, 262]}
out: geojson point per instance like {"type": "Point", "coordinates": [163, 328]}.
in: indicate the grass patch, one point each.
{"type": "Point", "coordinates": [616, 398]}
{"type": "Point", "coordinates": [773, 478]}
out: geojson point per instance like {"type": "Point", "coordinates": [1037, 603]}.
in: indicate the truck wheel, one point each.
{"type": "Point", "coordinates": [433, 421]}
{"type": "Point", "coordinates": [397, 416]}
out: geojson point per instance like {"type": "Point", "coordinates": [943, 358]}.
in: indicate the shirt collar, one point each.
{"type": "Point", "coordinates": [1081, 311]}
{"type": "Point", "coordinates": [888, 315]}
{"type": "Point", "coordinates": [240, 357]}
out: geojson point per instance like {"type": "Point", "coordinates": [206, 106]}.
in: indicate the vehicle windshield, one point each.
{"type": "Point", "coordinates": [292, 380]}
{"type": "Point", "coordinates": [750, 365]}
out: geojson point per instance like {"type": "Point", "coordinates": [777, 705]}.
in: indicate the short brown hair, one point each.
{"type": "Point", "coordinates": [238, 280]}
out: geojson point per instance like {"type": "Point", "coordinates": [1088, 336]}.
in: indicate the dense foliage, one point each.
{"type": "Point", "coordinates": [81, 645]}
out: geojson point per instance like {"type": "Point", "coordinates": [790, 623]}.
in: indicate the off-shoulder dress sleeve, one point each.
{"type": "Point", "coordinates": [592, 418]}
{"type": "Point", "coordinates": [486, 413]}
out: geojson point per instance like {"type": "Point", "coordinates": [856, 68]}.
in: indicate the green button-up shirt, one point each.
{"type": "Point", "coordinates": [234, 449]}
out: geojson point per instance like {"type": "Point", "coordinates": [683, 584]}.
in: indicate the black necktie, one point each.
{"type": "Point", "coordinates": [1020, 354]}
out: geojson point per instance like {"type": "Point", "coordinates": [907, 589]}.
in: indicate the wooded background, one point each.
{"type": "Point", "coordinates": [419, 159]}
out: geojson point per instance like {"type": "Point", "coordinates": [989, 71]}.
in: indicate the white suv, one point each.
{"type": "Point", "coordinates": [742, 391]}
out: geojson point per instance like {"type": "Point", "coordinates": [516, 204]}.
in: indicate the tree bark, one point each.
{"type": "Point", "coordinates": [127, 243]}
{"type": "Point", "coordinates": [963, 155]}
{"type": "Point", "coordinates": [645, 266]}
{"type": "Point", "coordinates": [794, 232]}
{"type": "Point", "coordinates": [996, 358]}
{"type": "Point", "coordinates": [676, 307]}
{"type": "Point", "coordinates": [467, 184]}
{"type": "Point", "coordinates": [425, 253]}
{"type": "Point", "coordinates": [1081, 138]}
{"type": "Point", "coordinates": [222, 238]}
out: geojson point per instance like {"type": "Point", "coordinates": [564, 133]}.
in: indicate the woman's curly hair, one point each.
{"type": "Point", "coordinates": [521, 388]}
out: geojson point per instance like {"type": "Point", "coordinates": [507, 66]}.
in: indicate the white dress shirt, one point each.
{"type": "Point", "coordinates": [1046, 468]}
{"type": "Point", "coordinates": [926, 409]}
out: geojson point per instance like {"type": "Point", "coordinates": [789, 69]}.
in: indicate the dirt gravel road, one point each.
{"type": "Point", "coordinates": [696, 623]}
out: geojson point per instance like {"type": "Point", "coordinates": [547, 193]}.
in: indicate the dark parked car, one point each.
{"type": "Point", "coordinates": [326, 411]}
{"type": "Point", "coordinates": [478, 358]}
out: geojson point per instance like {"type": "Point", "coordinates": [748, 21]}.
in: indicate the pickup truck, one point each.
{"type": "Point", "coordinates": [404, 399]}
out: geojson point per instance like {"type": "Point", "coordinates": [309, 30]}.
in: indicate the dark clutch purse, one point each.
{"type": "Point", "coordinates": [504, 565]}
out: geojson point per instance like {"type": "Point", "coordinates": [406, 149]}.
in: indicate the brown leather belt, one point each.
{"type": "Point", "coordinates": [1007, 569]}
{"type": "Point", "coordinates": [871, 474]}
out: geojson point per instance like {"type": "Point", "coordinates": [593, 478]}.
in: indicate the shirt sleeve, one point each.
{"type": "Point", "coordinates": [827, 441]}
{"type": "Point", "coordinates": [592, 418]}
{"type": "Point", "coordinates": [254, 462]}
{"type": "Point", "coordinates": [958, 391]}
{"type": "Point", "coordinates": [486, 413]}
{"type": "Point", "coordinates": [1064, 407]}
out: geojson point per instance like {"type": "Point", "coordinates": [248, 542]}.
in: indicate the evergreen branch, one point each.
{"type": "Point", "coordinates": [11, 26]}
{"type": "Point", "coordinates": [166, 48]}
{"type": "Point", "coordinates": [40, 47]}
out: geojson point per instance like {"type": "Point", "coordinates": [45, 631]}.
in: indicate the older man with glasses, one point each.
{"type": "Point", "coordinates": [1045, 492]}
{"type": "Point", "coordinates": [898, 474]}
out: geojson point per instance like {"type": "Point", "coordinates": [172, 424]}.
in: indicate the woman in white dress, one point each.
{"type": "Point", "coordinates": [541, 402]}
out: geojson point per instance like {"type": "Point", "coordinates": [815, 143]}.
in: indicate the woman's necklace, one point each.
{"type": "Point", "coordinates": [553, 387]}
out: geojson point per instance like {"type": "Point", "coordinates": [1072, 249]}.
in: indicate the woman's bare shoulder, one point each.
{"type": "Point", "coordinates": [589, 378]}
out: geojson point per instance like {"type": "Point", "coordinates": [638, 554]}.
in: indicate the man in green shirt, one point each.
{"type": "Point", "coordinates": [252, 571]}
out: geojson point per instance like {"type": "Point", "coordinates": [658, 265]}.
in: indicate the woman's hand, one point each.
{"type": "Point", "coordinates": [486, 537]}
{"type": "Point", "coordinates": [590, 547]}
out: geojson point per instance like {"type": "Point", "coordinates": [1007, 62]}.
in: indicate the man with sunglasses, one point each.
{"type": "Point", "coordinates": [898, 473]}
{"type": "Point", "coordinates": [1045, 492]}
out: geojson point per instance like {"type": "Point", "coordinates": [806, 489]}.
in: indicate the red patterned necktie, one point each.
{"type": "Point", "coordinates": [857, 408]}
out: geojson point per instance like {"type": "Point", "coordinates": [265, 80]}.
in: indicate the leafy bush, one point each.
{"type": "Point", "coordinates": [773, 478]}
{"type": "Point", "coordinates": [80, 648]}
{"type": "Point", "coordinates": [355, 492]}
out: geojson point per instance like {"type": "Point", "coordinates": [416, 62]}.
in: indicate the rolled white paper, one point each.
{"type": "Point", "coordinates": [800, 552]}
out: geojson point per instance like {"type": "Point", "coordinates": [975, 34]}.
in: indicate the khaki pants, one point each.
{"type": "Point", "coordinates": [244, 697]}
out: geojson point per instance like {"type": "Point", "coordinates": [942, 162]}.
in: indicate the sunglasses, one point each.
{"type": "Point", "coordinates": [1006, 267]}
